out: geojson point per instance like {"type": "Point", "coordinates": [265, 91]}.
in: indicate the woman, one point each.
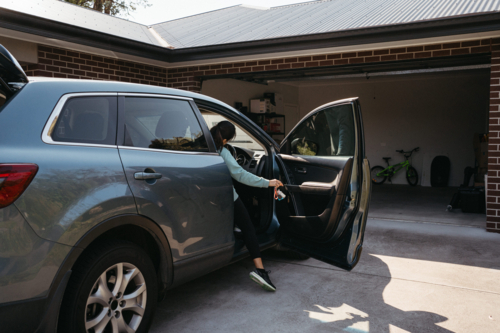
{"type": "Point", "coordinates": [222, 133]}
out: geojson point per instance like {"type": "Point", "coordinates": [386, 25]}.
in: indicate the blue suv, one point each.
{"type": "Point", "coordinates": [112, 193]}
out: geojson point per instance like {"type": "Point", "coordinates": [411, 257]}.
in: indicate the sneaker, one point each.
{"type": "Point", "coordinates": [261, 277]}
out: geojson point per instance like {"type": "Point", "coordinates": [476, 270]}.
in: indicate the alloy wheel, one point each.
{"type": "Point", "coordinates": [117, 301]}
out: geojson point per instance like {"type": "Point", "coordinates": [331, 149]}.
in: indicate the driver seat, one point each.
{"type": "Point", "coordinates": [386, 159]}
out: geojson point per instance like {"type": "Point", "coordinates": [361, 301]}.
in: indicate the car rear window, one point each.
{"type": "Point", "coordinates": [87, 120]}
{"type": "Point", "coordinates": [161, 123]}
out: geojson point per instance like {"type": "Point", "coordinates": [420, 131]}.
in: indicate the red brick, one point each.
{"type": "Point", "coordinates": [233, 70]}
{"type": "Point", "coordinates": [495, 54]}
{"type": "Point", "coordinates": [334, 56]}
{"type": "Point", "coordinates": [356, 60]}
{"type": "Point", "coordinates": [66, 71]}
{"type": "Point", "coordinates": [86, 56]}
{"type": "Point", "coordinates": [289, 60]}
{"type": "Point", "coordinates": [400, 50]}
{"type": "Point", "coordinates": [199, 73]}
{"type": "Point", "coordinates": [210, 72]}
{"type": "Point", "coordinates": [451, 46]}
{"type": "Point", "coordinates": [88, 68]}
{"type": "Point", "coordinates": [312, 64]}
{"type": "Point", "coordinates": [495, 41]}
{"type": "Point", "coordinates": [380, 52]}
{"type": "Point", "coordinates": [482, 49]}
{"type": "Point", "coordinates": [441, 53]}
{"type": "Point", "coordinates": [494, 81]}
{"type": "Point", "coordinates": [264, 62]}
{"type": "Point", "coordinates": [423, 55]}
{"type": "Point", "coordinates": [298, 65]}
{"type": "Point", "coordinates": [460, 51]}
{"type": "Point", "coordinates": [271, 67]}
{"type": "Point", "coordinates": [102, 65]}
{"type": "Point", "coordinates": [257, 68]}
{"type": "Point", "coordinates": [73, 54]}
{"type": "Point", "coordinates": [239, 64]}
{"type": "Point", "coordinates": [221, 71]}
{"type": "Point", "coordinates": [321, 57]}
{"type": "Point", "coordinates": [432, 47]}
{"type": "Point", "coordinates": [52, 56]}
{"type": "Point", "coordinates": [388, 57]}
{"type": "Point", "coordinates": [63, 76]}
{"type": "Point", "coordinates": [97, 70]}
{"type": "Point", "coordinates": [405, 56]}
{"type": "Point", "coordinates": [326, 63]}
{"type": "Point", "coordinates": [103, 76]}
{"type": "Point", "coordinates": [215, 67]}
{"type": "Point", "coordinates": [59, 51]}
{"type": "Point", "coordinates": [284, 66]}
{"type": "Point", "coordinates": [52, 68]}
{"type": "Point", "coordinates": [365, 53]}
{"type": "Point", "coordinates": [305, 59]}
{"type": "Point", "coordinates": [486, 41]}
{"type": "Point", "coordinates": [491, 212]}
{"type": "Point", "coordinates": [227, 66]}
{"type": "Point", "coordinates": [43, 73]}
{"type": "Point", "coordinates": [204, 68]}
{"type": "Point", "coordinates": [41, 54]}
{"type": "Point", "coordinates": [349, 55]}
{"type": "Point", "coordinates": [491, 225]}
{"type": "Point", "coordinates": [372, 59]}
{"type": "Point", "coordinates": [471, 43]}
{"type": "Point", "coordinates": [245, 69]}
{"type": "Point", "coordinates": [77, 72]}
{"type": "Point", "coordinates": [45, 61]}
{"type": "Point", "coordinates": [415, 49]}
{"type": "Point", "coordinates": [64, 58]}
{"type": "Point", "coordinates": [341, 61]}
{"type": "Point", "coordinates": [494, 88]}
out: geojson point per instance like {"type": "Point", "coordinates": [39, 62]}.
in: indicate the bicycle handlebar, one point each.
{"type": "Point", "coordinates": [408, 152]}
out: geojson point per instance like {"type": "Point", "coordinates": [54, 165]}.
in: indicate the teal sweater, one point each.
{"type": "Point", "coordinates": [240, 174]}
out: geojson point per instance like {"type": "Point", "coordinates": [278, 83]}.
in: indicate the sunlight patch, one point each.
{"type": "Point", "coordinates": [343, 312]}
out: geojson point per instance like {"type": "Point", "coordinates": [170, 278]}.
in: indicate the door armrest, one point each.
{"type": "Point", "coordinates": [314, 188]}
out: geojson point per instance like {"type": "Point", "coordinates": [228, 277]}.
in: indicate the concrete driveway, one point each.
{"type": "Point", "coordinates": [412, 277]}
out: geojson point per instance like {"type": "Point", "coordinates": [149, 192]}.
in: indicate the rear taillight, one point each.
{"type": "Point", "coordinates": [14, 179]}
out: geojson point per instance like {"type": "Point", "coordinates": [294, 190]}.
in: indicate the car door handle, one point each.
{"type": "Point", "coordinates": [147, 175]}
{"type": "Point", "coordinates": [301, 170]}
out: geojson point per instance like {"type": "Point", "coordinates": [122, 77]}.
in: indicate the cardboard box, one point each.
{"type": "Point", "coordinates": [260, 106]}
{"type": "Point", "coordinates": [277, 103]}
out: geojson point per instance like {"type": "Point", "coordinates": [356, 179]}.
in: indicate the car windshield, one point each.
{"type": "Point", "coordinates": [242, 138]}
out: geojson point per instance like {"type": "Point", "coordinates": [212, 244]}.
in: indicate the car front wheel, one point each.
{"type": "Point", "coordinates": [113, 289]}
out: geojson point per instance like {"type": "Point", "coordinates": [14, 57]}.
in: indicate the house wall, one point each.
{"type": "Point", "coordinates": [61, 63]}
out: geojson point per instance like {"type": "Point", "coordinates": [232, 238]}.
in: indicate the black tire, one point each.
{"type": "Point", "coordinates": [412, 176]}
{"type": "Point", "coordinates": [96, 271]}
{"type": "Point", "coordinates": [373, 174]}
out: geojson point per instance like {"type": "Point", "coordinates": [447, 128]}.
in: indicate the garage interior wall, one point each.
{"type": "Point", "coordinates": [438, 112]}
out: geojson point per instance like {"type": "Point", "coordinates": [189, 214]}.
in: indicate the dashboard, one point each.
{"type": "Point", "coordinates": [249, 160]}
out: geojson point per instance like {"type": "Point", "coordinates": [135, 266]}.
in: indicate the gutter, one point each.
{"type": "Point", "coordinates": [424, 29]}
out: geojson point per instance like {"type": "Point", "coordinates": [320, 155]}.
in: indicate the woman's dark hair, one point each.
{"type": "Point", "coordinates": [221, 131]}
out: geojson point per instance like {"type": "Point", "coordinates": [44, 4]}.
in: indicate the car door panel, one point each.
{"type": "Point", "coordinates": [323, 165]}
{"type": "Point", "coordinates": [176, 179]}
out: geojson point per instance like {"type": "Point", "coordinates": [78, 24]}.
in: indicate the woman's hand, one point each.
{"type": "Point", "coordinates": [275, 183]}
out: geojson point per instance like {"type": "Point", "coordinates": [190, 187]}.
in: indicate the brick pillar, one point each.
{"type": "Point", "coordinates": [493, 197]}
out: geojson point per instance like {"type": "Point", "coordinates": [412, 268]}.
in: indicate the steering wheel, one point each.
{"type": "Point", "coordinates": [231, 149]}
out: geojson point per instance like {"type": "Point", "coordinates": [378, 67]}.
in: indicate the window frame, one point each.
{"type": "Point", "coordinates": [121, 124]}
{"type": "Point", "coordinates": [54, 116]}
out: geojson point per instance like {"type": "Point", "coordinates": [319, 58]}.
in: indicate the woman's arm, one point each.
{"type": "Point", "coordinates": [240, 174]}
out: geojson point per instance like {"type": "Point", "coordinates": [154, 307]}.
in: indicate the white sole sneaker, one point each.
{"type": "Point", "coordinates": [261, 282]}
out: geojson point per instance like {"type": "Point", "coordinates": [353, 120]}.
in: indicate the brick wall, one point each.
{"type": "Point", "coordinates": [56, 62]}
{"type": "Point", "coordinates": [187, 77]}
{"type": "Point", "coordinates": [493, 197]}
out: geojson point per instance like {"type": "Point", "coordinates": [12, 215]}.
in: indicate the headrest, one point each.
{"type": "Point", "coordinates": [172, 124]}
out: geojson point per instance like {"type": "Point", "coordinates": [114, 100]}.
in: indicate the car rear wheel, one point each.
{"type": "Point", "coordinates": [113, 289]}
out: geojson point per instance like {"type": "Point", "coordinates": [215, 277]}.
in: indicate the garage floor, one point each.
{"type": "Point", "coordinates": [412, 277]}
{"type": "Point", "coordinates": [419, 204]}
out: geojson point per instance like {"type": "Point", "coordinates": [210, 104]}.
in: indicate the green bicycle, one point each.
{"type": "Point", "coordinates": [380, 174]}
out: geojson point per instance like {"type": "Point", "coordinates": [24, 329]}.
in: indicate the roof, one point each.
{"type": "Point", "coordinates": [78, 16]}
{"type": "Point", "coordinates": [245, 23]}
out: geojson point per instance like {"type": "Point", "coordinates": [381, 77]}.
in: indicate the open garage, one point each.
{"type": "Point", "coordinates": [438, 110]}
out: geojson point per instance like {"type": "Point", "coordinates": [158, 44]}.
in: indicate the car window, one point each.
{"type": "Point", "coordinates": [242, 138]}
{"type": "Point", "coordinates": [161, 123]}
{"type": "Point", "coordinates": [329, 132]}
{"type": "Point", "coordinates": [87, 120]}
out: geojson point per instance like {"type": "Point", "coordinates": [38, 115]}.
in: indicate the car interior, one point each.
{"type": "Point", "coordinates": [252, 156]}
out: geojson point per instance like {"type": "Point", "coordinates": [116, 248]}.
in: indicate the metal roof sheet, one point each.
{"type": "Point", "coordinates": [82, 17]}
{"type": "Point", "coordinates": [244, 23]}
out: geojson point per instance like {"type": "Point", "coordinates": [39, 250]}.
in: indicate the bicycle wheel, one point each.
{"type": "Point", "coordinates": [377, 179]}
{"type": "Point", "coordinates": [412, 176]}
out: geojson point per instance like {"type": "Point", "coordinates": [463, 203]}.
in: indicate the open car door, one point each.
{"type": "Point", "coordinates": [12, 76]}
{"type": "Point", "coordinates": [327, 182]}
